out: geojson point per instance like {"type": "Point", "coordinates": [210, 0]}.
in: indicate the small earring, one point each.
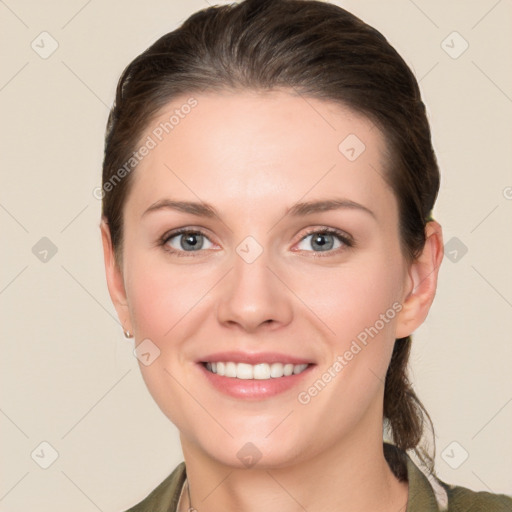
{"type": "Point", "coordinates": [127, 334]}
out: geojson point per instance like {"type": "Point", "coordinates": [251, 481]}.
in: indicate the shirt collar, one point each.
{"type": "Point", "coordinates": [426, 494]}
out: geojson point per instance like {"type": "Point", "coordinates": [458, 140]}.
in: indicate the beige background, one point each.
{"type": "Point", "coordinates": [69, 377]}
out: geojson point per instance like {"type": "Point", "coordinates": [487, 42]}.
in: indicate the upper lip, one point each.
{"type": "Point", "coordinates": [253, 358]}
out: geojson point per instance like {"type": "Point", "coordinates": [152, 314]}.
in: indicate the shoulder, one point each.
{"type": "Point", "coordinates": [427, 493]}
{"type": "Point", "coordinates": [165, 497]}
{"type": "Point", "coordinates": [461, 499]}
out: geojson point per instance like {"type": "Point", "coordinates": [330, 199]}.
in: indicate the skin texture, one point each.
{"type": "Point", "coordinates": [252, 156]}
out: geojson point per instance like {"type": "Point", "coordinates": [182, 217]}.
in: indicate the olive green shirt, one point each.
{"type": "Point", "coordinates": [425, 495]}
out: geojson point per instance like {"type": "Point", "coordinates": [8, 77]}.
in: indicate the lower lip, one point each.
{"type": "Point", "coordinates": [255, 389]}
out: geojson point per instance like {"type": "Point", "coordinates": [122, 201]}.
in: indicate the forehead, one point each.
{"type": "Point", "coordinates": [273, 147]}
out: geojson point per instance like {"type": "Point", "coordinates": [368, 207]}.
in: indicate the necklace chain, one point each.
{"type": "Point", "coordinates": [190, 507]}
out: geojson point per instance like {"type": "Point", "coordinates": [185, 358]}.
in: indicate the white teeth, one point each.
{"type": "Point", "coordinates": [276, 370]}
{"type": "Point", "coordinates": [243, 371]}
{"type": "Point", "coordinates": [230, 370]}
{"type": "Point", "coordinates": [259, 371]}
{"type": "Point", "coordinates": [299, 368]}
{"type": "Point", "coordinates": [288, 369]}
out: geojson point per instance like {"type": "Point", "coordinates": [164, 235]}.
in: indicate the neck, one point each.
{"type": "Point", "coordinates": [350, 477]}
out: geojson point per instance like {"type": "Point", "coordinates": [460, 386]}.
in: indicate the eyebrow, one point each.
{"type": "Point", "coordinates": [307, 208]}
{"type": "Point", "coordinates": [192, 207]}
{"type": "Point", "coordinates": [202, 209]}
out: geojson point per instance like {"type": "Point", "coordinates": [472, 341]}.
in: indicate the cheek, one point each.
{"type": "Point", "coordinates": [161, 295]}
{"type": "Point", "coordinates": [154, 301]}
{"type": "Point", "coordinates": [352, 298]}
{"type": "Point", "coordinates": [359, 305]}
{"type": "Point", "coordinates": [166, 306]}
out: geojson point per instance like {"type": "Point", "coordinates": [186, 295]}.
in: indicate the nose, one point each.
{"type": "Point", "coordinates": [253, 298]}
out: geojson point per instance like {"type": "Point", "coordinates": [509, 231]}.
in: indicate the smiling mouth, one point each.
{"type": "Point", "coordinates": [259, 371]}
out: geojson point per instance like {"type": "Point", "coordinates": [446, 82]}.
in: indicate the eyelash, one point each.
{"type": "Point", "coordinates": [165, 239]}
{"type": "Point", "coordinates": [347, 241]}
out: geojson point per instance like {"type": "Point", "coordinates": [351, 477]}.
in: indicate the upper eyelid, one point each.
{"type": "Point", "coordinates": [340, 233]}
{"type": "Point", "coordinates": [180, 231]}
{"type": "Point", "coordinates": [326, 229]}
{"type": "Point", "coordinates": [320, 229]}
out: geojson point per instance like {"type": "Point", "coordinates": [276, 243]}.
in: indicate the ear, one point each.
{"type": "Point", "coordinates": [421, 282]}
{"type": "Point", "coordinates": [115, 280]}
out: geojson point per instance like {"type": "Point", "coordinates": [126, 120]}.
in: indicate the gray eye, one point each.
{"type": "Point", "coordinates": [319, 241]}
{"type": "Point", "coordinates": [189, 241]}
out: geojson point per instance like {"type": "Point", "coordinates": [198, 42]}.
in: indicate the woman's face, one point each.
{"type": "Point", "coordinates": [291, 255]}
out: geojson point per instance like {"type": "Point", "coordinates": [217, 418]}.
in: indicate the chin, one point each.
{"type": "Point", "coordinates": [250, 455]}
{"type": "Point", "coordinates": [252, 451]}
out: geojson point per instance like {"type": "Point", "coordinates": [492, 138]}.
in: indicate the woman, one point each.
{"type": "Point", "coordinates": [268, 186]}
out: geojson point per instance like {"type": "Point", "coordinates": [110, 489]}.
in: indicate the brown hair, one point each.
{"type": "Point", "coordinates": [318, 50]}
